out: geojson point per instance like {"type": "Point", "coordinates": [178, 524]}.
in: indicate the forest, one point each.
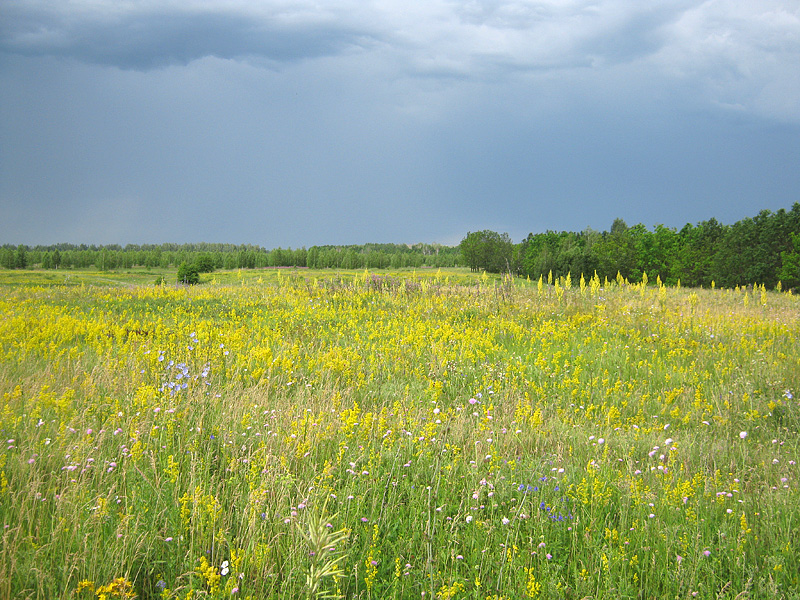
{"type": "Point", "coordinates": [764, 249]}
{"type": "Point", "coordinates": [227, 256]}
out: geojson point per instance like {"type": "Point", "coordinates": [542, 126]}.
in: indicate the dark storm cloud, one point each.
{"type": "Point", "coordinates": [736, 53]}
{"type": "Point", "coordinates": [145, 36]}
{"type": "Point", "coordinates": [291, 122]}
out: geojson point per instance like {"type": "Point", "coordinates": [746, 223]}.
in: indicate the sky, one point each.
{"type": "Point", "coordinates": [290, 123]}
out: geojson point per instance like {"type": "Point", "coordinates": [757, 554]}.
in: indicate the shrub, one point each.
{"type": "Point", "coordinates": [188, 274]}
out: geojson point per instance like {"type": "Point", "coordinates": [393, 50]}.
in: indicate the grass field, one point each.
{"type": "Point", "coordinates": [436, 434]}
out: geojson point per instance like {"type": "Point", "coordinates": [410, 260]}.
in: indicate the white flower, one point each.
{"type": "Point", "coordinates": [742, 434]}
{"type": "Point", "coordinates": [224, 570]}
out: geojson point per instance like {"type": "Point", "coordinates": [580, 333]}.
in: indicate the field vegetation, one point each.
{"type": "Point", "coordinates": [406, 434]}
{"type": "Point", "coordinates": [764, 249]}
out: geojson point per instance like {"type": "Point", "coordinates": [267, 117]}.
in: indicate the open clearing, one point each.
{"type": "Point", "coordinates": [437, 434]}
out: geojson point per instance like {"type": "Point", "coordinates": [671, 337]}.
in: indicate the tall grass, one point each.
{"type": "Point", "coordinates": [403, 435]}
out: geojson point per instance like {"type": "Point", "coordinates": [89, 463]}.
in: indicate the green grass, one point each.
{"type": "Point", "coordinates": [454, 435]}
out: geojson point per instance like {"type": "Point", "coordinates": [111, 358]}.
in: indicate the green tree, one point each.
{"type": "Point", "coordinates": [313, 258]}
{"type": "Point", "coordinates": [230, 261]}
{"type": "Point", "coordinates": [789, 274]}
{"type": "Point", "coordinates": [616, 251]}
{"type": "Point", "coordinates": [7, 258]}
{"type": "Point", "coordinates": [21, 258]}
{"type": "Point", "coordinates": [750, 251]}
{"type": "Point", "coordinates": [696, 250]}
{"type": "Point", "coordinates": [488, 251]}
{"type": "Point", "coordinates": [188, 274]}
{"type": "Point", "coordinates": [204, 263]}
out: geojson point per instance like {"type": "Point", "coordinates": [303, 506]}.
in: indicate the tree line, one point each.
{"type": "Point", "coordinates": [227, 256]}
{"type": "Point", "coordinates": [764, 249]}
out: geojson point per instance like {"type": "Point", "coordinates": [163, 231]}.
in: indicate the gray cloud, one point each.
{"type": "Point", "coordinates": [291, 122]}
{"type": "Point", "coordinates": [734, 53]}
{"type": "Point", "coordinates": [149, 35]}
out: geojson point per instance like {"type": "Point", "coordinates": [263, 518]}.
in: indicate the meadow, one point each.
{"type": "Point", "coordinates": [413, 434]}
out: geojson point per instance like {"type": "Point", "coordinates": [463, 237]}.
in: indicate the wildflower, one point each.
{"type": "Point", "coordinates": [506, 521]}
{"type": "Point", "coordinates": [742, 434]}
{"type": "Point", "coordinates": [224, 570]}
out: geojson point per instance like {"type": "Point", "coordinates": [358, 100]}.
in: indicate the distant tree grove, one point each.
{"type": "Point", "coordinates": [208, 257]}
{"type": "Point", "coordinates": [764, 249]}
